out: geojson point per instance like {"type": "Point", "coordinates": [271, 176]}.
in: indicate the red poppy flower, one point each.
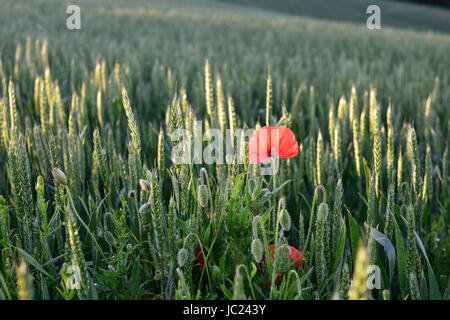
{"type": "Point", "coordinates": [200, 258]}
{"type": "Point", "coordinates": [277, 281]}
{"type": "Point", "coordinates": [294, 255]}
{"type": "Point", "coordinates": [267, 139]}
{"type": "Point", "coordinates": [198, 251]}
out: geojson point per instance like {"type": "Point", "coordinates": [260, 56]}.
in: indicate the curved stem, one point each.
{"type": "Point", "coordinates": [203, 253]}
{"type": "Point", "coordinates": [249, 279]}
{"type": "Point", "coordinates": [298, 282]}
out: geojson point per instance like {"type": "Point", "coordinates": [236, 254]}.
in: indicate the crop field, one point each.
{"type": "Point", "coordinates": [201, 149]}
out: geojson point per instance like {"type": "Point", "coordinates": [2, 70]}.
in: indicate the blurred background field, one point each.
{"type": "Point", "coordinates": [418, 15]}
{"type": "Point", "coordinates": [241, 42]}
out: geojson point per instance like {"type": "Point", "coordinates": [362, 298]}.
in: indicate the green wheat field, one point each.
{"type": "Point", "coordinates": [93, 207]}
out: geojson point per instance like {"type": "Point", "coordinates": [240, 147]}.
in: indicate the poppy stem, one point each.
{"type": "Point", "coordinates": [274, 269]}
{"type": "Point", "coordinates": [274, 185]}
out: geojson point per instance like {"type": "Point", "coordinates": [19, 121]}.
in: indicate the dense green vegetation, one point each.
{"type": "Point", "coordinates": [369, 186]}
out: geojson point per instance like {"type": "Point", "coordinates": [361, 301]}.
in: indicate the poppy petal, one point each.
{"type": "Point", "coordinates": [295, 255]}
{"type": "Point", "coordinates": [258, 146]}
{"type": "Point", "coordinates": [280, 139]}
{"type": "Point", "coordinates": [288, 145]}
